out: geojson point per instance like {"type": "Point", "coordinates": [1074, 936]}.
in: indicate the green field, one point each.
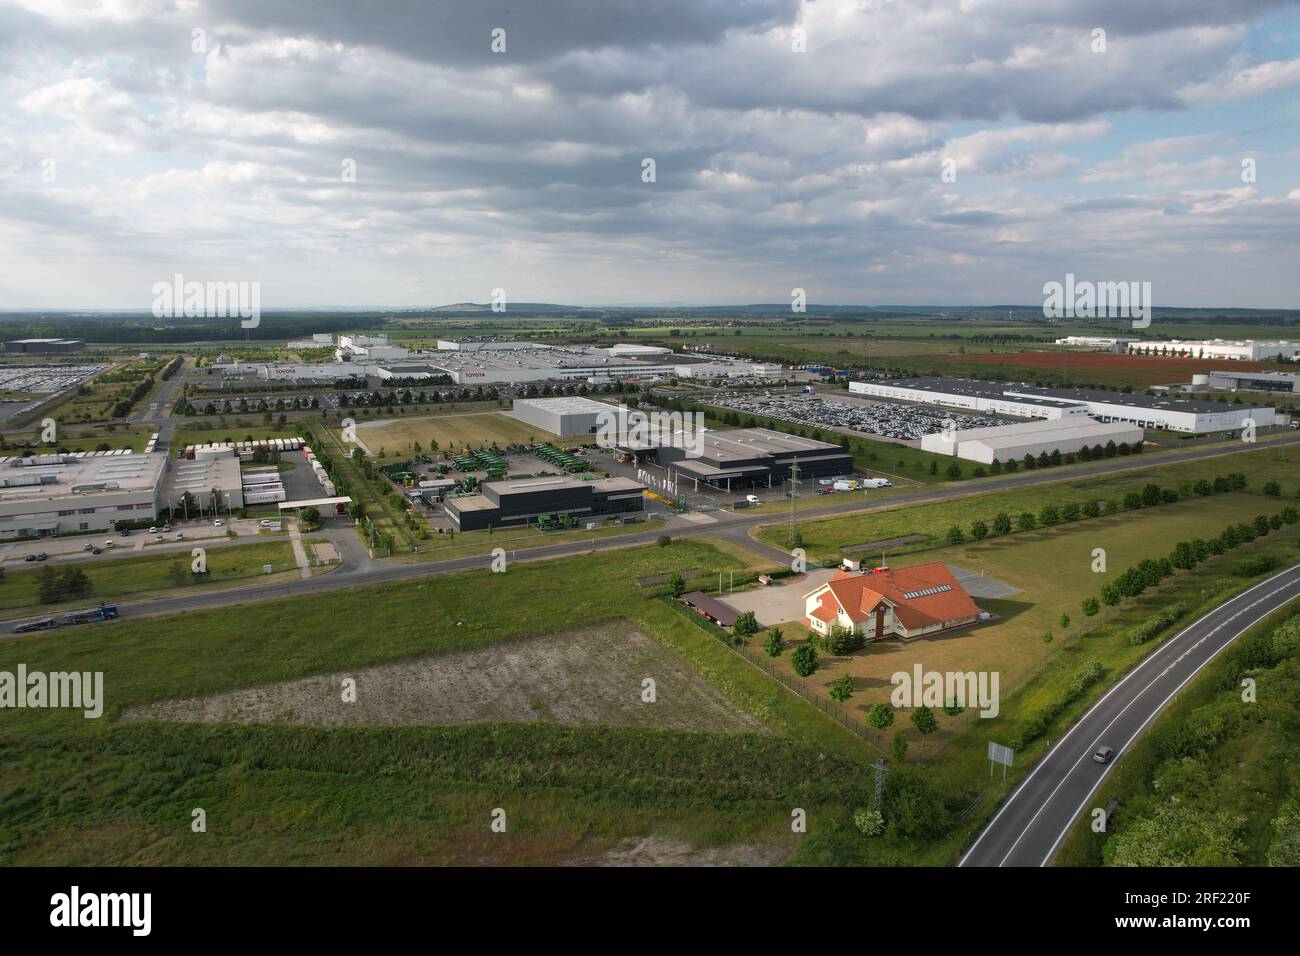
{"type": "Point", "coordinates": [823, 538]}
{"type": "Point", "coordinates": [120, 577]}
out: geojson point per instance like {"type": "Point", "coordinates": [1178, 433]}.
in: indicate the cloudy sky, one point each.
{"type": "Point", "coordinates": [794, 144]}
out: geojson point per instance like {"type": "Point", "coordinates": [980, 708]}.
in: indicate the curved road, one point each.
{"type": "Point", "coordinates": [359, 570]}
{"type": "Point", "coordinates": [1035, 819]}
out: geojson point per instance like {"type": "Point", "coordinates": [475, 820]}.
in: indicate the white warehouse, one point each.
{"type": "Point", "coordinates": [1028, 401]}
{"type": "Point", "coordinates": [571, 415]}
{"type": "Point", "coordinates": [1018, 439]}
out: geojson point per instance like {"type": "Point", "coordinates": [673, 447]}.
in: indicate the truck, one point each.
{"type": "Point", "coordinates": [845, 485]}
{"type": "Point", "coordinates": [868, 483]}
{"type": "Point", "coordinates": [105, 612]}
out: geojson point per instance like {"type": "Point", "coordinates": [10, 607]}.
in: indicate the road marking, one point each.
{"type": "Point", "coordinates": [1150, 660]}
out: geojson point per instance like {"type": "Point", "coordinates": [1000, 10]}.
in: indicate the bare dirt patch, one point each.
{"type": "Point", "coordinates": [661, 851]}
{"type": "Point", "coordinates": [588, 675]}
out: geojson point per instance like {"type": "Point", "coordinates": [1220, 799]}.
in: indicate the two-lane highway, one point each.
{"type": "Point", "coordinates": [1035, 819]}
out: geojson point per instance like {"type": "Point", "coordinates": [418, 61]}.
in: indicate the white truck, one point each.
{"type": "Point", "coordinates": [869, 483]}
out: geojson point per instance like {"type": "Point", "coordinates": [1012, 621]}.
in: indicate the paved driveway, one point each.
{"type": "Point", "coordinates": [780, 602]}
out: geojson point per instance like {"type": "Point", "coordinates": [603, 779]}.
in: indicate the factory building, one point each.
{"type": "Point", "coordinates": [1285, 382]}
{"type": "Point", "coordinates": [368, 349]}
{"type": "Point", "coordinates": [1028, 401]}
{"type": "Point", "coordinates": [737, 458]}
{"type": "Point", "coordinates": [542, 500]}
{"type": "Point", "coordinates": [1248, 350]}
{"type": "Point", "coordinates": [44, 346]}
{"type": "Point", "coordinates": [213, 482]}
{"type": "Point", "coordinates": [47, 495]}
{"type": "Point", "coordinates": [571, 415]}
{"type": "Point", "coordinates": [1107, 343]}
{"type": "Point", "coordinates": [1018, 439]}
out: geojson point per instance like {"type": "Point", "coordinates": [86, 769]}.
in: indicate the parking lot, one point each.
{"type": "Point", "coordinates": [45, 378]}
{"type": "Point", "coordinates": [884, 419]}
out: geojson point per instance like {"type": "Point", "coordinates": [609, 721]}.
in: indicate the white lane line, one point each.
{"type": "Point", "coordinates": [1168, 645]}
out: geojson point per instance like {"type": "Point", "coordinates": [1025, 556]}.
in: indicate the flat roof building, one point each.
{"type": "Point", "coordinates": [44, 346]}
{"type": "Point", "coordinates": [545, 500]}
{"type": "Point", "coordinates": [738, 457]}
{"type": "Point", "coordinates": [47, 495]}
{"type": "Point", "coordinates": [1017, 439]}
{"type": "Point", "coordinates": [1247, 350]}
{"type": "Point", "coordinates": [1031, 401]}
{"type": "Point", "coordinates": [1285, 382]}
{"type": "Point", "coordinates": [199, 477]}
{"type": "Point", "coordinates": [570, 415]}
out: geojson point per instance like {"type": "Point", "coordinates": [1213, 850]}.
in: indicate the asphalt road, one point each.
{"type": "Point", "coordinates": [733, 525]}
{"type": "Point", "coordinates": [1035, 819]}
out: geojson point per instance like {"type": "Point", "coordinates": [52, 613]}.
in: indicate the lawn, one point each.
{"type": "Point", "coordinates": [120, 577]}
{"type": "Point", "coordinates": [1053, 570]}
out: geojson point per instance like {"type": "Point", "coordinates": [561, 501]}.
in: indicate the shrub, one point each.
{"type": "Point", "coordinates": [881, 716]}
{"type": "Point", "coordinates": [1091, 606]}
{"type": "Point", "coordinates": [804, 660]}
{"type": "Point", "coordinates": [841, 688]}
{"type": "Point", "coordinates": [1156, 623]}
{"type": "Point", "coordinates": [1262, 564]}
{"type": "Point", "coordinates": [924, 720]}
{"type": "Point", "coordinates": [869, 822]}
{"type": "Point", "coordinates": [746, 624]}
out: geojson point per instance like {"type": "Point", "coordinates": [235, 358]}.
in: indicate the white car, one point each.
{"type": "Point", "coordinates": [153, 530]}
{"type": "Point", "coordinates": [217, 523]}
{"type": "Point", "coordinates": [180, 536]}
{"type": "Point", "coordinates": [753, 499]}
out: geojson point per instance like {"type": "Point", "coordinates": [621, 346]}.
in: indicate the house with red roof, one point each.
{"type": "Point", "coordinates": [883, 602]}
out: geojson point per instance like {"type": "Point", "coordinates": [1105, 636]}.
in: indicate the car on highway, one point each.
{"type": "Point", "coordinates": [29, 557]}
{"type": "Point", "coordinates": [180, 536]}
{"type": "Point", "coordinates": [87, 546]}
{"type": "Point", "coordinates": [41, 556]}
{"type": "Point", "coordinates": [42, 625]}
{"type": "Point", "coordinates": [1103, 754]}
{"type": "Point", "coordinates": [217, 523]}
{"type": "Point", "coordinates": [96, 550]}
{"type": "Point", "coordinates": [153, 529]}
{"type": "Point", "coordinates": [125, 533]}
{"type": "Point", "coordinates": [166, 528]}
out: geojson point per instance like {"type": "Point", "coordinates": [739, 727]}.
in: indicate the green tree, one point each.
{"type": "Point", "coordinates": [804, 660]}
{"type": "Point", "coordinates": [746, 624]}
{"type": "Point", "coordinates": [1065, 621]}
{"type": "Point", "coordinates": [979, 530]}
{"type": "Point", "coordinates": [869, 822]}
{"type": "Point", "coordinates": [954, 471]}
{"type": "Point", "coordinates": [48, 587]}
{"type": "Point", "coordinates": [775, 643]}
{"type": "Point", "coordinates": [1091, 606]}
{"type": "Point", "coordinates": [676, 584]}
{"type": "Point", "coordinates": [1002, 523]}
{"type": "Point", "coordinates": [924, 720]}
{"type": "Point", "coordinates": [881, 716]}
{"type": "Point", "coordinates": [1026, 521]}
{"type": "Point", "coordinates": [956, 535]}
{"type": "Point", "coordinates": [841, 688]}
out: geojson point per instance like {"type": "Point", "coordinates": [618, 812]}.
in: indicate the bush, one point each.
{"type": "Point", "coordinates": [841, 688]}
{"type": "Point", "coordinates": [1091, 606]}
{"type": "Point", "coordinates": [804, 660]}
{"type": "Point", "coordinates": [1262, 564]}
{"type": "Point", "coordinates": [1084, 677]}
{"type": "Point", "coordinates": [869, 822]}
{"type": "Point", "coordinates": [665, 540]}
{"type": "Point", "coordinates": [746, 624]}
{"type": "Point", "coordinates": [881, 716]}
{"type": "Point", "coordinates": [923, 719]}
{"type": "Point", "coordinates": [1156, 623]}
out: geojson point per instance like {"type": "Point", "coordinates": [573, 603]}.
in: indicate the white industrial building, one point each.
{"type": "Point", "coordinates": [368, 349]}
{"type": "Point", "coordinates": [1017, 439]}
{"type": "Point", "coordinates": [1109, 342]}
{"type": "Point", "coordinates": [1288, 383]}
{"type": "Point", "coordinates": [1028, 401]}
{"type": "Point", "coordinates": [213, 481]}
{"type": "Point", "coordinates": [47, 495]}
{"type": "Point", "coordinates": [570, 415]}
{"type": "Point", "coordinates": [1219, 349]}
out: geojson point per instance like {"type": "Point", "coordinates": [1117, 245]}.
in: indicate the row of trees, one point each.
{"type": "Point", "coordinates": [55, 586]}
{"type": "Point", "coordinates": [1052, 514]}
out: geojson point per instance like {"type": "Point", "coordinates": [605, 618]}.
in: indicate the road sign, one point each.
{"type": "Point", "coordinates": [999, 754]}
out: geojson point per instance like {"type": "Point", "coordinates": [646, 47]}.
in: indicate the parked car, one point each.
{"type": "Point", "coordinates": [158, 537]}
{"type": "Point", "coordinates": [180, 536]}
{"type": "Point", "coordinates": [153, 529]}
{"type": "Point", "coordinates": [110, 543]}
{"type": "Point", "coordinates": [125, 532]}
{"type": "Point", "coordinates": [217, 523]}
{"type": "Point", "coordinates": [166, 528]}
{"type": "Point", "coordinates": [41, 625]}
{"type": "Point", "coordinates": [1103, 754]}
{"type": "Point", "coordinates": [41, 556]}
